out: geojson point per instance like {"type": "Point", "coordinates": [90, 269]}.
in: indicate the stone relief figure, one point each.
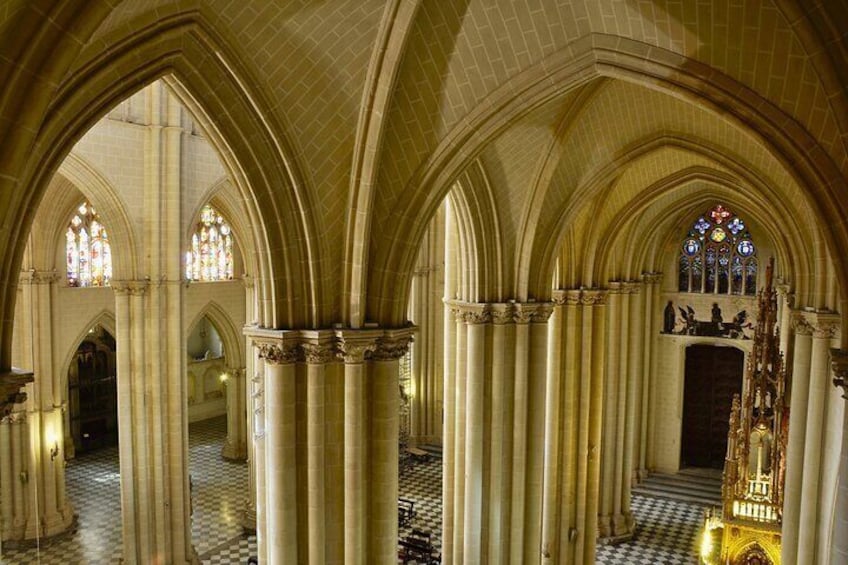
{"type": "Point", "coordinates": [669, 318]}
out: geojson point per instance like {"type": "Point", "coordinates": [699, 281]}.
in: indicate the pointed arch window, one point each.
{"type": "Point", "coordinates": [89, 256]}
{"type": "Point", "coordinates": [718, 255]}
{"type": "Point", "coordinates": [210, 257]}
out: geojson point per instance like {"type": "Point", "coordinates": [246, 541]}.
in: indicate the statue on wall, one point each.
{"type": "Point", "coordinates": [669, 318]}
{"type": "Point", "coordinates": [715, 327]}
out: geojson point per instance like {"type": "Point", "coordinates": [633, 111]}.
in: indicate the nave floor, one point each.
{"type": "Point", "coordinates": [93, 486]}
{"type": "Point", "coordinates": [666, 533]}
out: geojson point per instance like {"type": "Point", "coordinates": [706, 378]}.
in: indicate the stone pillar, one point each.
{"type": "Point", "coordinates": [811, 523]}
{"type": "Point", "coordinates": [277, 523]}
{"type": "Point", "coordinates": [800, 392]}
{"type": "Point", "coordinates": [253, 402]}
{"type": "Point", "coordinates": [45, 511]}
{"type": "Point", "coordinates": [449, 388]}
{"type": "Point", "coordinates": [650, 329]}
{"type": "Point", "coordinates": [235, 445]}
{"type": "Point", "coordinates": [384, 444]}
{"type": "Point", "coordinates": [426, 312]}
{"type": "Point", "coordinates": [803, 523]}
{"type": "Point", "coordinates": [839, 546]}
{"type": "Point", "coordinates": [327, 454]}
{"type": "Point", "coordinates": [499, 409]}
{"type": "Point", "coordinates": [634, 394]}
{"type": "Point", "coordinates": [354, 347]}
{"type": "Point", "coordinates": [582, 361]}
{"type": "Point", "coordinates": [623, 376]}
{"type": "Point", "coordinates": [610, 492]}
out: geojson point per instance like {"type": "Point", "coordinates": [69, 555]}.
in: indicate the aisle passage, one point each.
{"type": "Point", "coordinates": [219, 491]}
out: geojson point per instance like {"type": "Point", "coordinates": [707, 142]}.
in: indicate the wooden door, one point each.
{"type": "Point", "coordinates": [713, 375]}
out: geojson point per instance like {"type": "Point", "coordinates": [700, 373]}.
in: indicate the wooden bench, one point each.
{"type": "Point", "coordinates": [417, 547]}
{"type": "Point", "coordinates": [406, 512]}
{"type": "Point", "coordinates": [419, 455]}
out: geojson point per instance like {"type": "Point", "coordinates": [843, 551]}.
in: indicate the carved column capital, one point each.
{"type": "Point", "coordinates": [393, 344]}
{"type": "Point", "coordinates": [280, 353]}
{"type": "Point", "coordinates": [319, 353]}
{"type": "Point", "coordinates": [839, 364]}
{"type": "Point", "coordinates": [11, 393]}
{"type": "Point", "coordinates": [501, 313]}
{"type": "Point", "coordinates": [542, 312]}
{"type": "Point", "coordinates": [801, 325]}
{"type": "Point", "coordinates": [631, 287]}
{"type": "Point", "coordinates": [34, 276]}
{"type": "Point", "coordinates": [783, 290]}
{"type": "Point", "coordinates": [592, 297]}
{"type": "Point", "coordinates": [132, 288]}
{"type": "Point", "coordinates": [652, 277]}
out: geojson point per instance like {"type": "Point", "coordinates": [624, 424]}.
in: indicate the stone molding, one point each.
{"type": "Point", "coordinates": [319, 353]}
{"type": "Point", "coordinates": [328, 346]}
{"type": "Point", "coordinates": [500, 313]}
{"type": "Point", "coordinates": [280, 354]}
{"type": "Point", "coordinates": [133, 288]}
{"type": "Point", "coordinates": [589, 296]}
{"type": "Point", "coordinates": [11, 393]}
{"type": "Point", "coordinates": [839, 365]}
{"type": "Point", "coordinates": [34, 276]}
{"type": "Point", "coordinates": [653, 277]}
{"type": "Point", "coordinates": [783, 290]}
{"type": "Point", "coordinates": [820, 325]}
{"type": "Point", "coordinates": [391, 347]}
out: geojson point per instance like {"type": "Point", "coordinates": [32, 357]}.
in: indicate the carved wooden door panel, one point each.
{"type": "Point", "coordinates": [713, 375]}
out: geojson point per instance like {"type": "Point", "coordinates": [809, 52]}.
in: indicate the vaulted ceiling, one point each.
{"type": "Point", "coordinates": [575, 113]}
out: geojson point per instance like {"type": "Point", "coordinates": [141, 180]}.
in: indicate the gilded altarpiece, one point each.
{"type": "Point", "coordinates": [749, 523]}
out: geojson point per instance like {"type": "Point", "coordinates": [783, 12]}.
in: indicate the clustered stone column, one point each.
{"type": "Point", "coordinates": [235, 445]}
{"type": "Point", "coordinates": [650, 328]}
{"type": "Point", "coordinates": [494, 449]}
{"type": "Point", "coordinates": [32, 433]}
{"type": "Point", "coordinates": [810, 472]}
{"type": "Point", "coordinates": [572, 478]}
{"type": "Point", "coordinates": [427, 313]}
{"type": "Point", "coordinates": [839, 547]}
{"type": "Point", "coordinates": [325, 444]}
{"type": "Point", "coordinates": [615, 520]}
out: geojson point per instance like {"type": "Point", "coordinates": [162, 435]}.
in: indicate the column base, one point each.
{"type": "Point", "coordinates": [248, 520]}
{"type": "Point", "coordinates": [61, 531]}
{"type": "Point", "coordinates": [232, 452]}
{"type": "Point", "coordinates": [641, 475]}
{"type": "Point", "coordinates": [621, 529]}
{"type": "Point", "coordinates": [605, 529]}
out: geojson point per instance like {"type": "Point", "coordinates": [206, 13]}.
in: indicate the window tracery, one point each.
{"type": "Point", "coordinates": [88, 253]}
{"type": "Point", "coordinates": [718, 255]}
{"type": "Point", "coordinates": [210, 257]}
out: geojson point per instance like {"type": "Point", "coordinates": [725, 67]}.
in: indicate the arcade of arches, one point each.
{"type": "Point", "coordinates": [556, 202]}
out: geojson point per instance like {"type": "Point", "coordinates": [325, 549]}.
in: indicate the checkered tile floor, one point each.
{"type": "Point", "coordinates": [219, 489]}
{"type": "Point", "coordinates": [666, 533]}
{"type": "Point", "coordinates": [423, 485]}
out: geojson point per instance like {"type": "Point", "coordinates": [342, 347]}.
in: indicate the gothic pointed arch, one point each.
{"type": "Point", "coordinates": [104, 318]}
{"type": "Point", "coordinates": [287, 245]}
{"type": "Point", "coordinates": [231, 338]}
{"type": "Point", "coordinates": [624, 59]}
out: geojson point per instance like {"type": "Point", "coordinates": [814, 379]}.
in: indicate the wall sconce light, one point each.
{"type": "Point", "coordinates": [54, 451]}
{"type": "Point", "coordinates": [223, 378]}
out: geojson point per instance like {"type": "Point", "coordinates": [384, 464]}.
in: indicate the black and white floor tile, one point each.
{"type": "Point", "coordinates": [666, 534]}
{"type": "Point", "coordinates": [93, 486]}
{"type": "Point", "coordinates": [666, 530]}
{"type": "Point", "coordinates": [423, 484]}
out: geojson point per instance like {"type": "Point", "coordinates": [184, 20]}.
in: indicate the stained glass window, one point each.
{"type": "Point", "coordinates": [210, 257]}
{"type": "Point", "coordinates": [718, 255]}
{"type": "Point", "coordinates": [89, 256]}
